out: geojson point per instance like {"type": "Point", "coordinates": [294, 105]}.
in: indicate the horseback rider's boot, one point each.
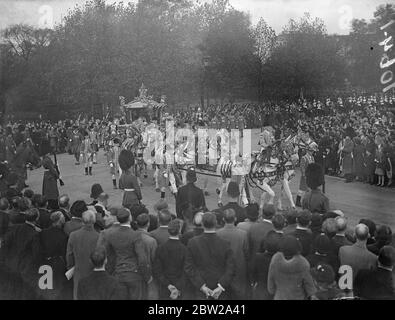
{"type": "Point", "coordinates": [90, 171]}
{"type": "Point", "coordinates": [298, 201]}
{"type": "Point", "coordinates": [114, 183]}
{"type": "Point", "coordinates": [86, 171]}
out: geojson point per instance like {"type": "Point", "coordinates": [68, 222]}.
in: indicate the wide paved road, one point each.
{"type": "Point", "coordinates": [355, 199]}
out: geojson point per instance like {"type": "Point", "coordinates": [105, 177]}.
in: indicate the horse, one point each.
{"type": "Point", "coordinates": [25, 156]}
{"type": "Point", "coordinates": [280, 168]}
{"type": "Point", "coordinates": [258, 172]}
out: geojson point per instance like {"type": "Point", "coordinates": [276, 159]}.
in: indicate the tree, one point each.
{"type": "Point", "coordinates": [233, 65]}
{"type": "Point", "coordinates": [305, 58]}
{"type": "Point", "coordinates": [25, 40]}
{"type": "Point", "coordinates": [265, 41]}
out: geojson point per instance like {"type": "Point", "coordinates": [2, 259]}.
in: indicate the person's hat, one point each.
{"type": "Point", "coordinates": [387, 256]}
{"type": "Point", "coordinates": [122, 213]}
{"type": "Point", "coordinates": [191, 175]}
{"type": "Point", "coordinates": [314, 175]}
{"type": "Point", "coordinates": [96, 190]}
{"type": "Point", "coordinates": [323, 273]}
{"type": "Point", "coordinates": [126, 160]}
{"type": "Point", "coordinates": [160, 205]}
{"type": "Point", "coordinates": [233, 190]}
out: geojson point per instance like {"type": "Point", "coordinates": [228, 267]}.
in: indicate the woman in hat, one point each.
{"type": "Point", "coordinates": [369, 164]}
{"type": "Point", "coordinates": [358, 154]}
{"type": "Point", "coordinates": [324, 280]}
{"type": "Point", "coordinates": [128, 181]}
{"type": "Point", "coordinates": [381, 161]}
{"type": "Point", "coordinates": [289, 275]}
{"type": "Point", "coordinates": [347, 156]}
{"type": "Point", "coordinates": [50, 182]}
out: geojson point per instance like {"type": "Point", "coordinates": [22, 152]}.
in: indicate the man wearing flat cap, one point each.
{"type": "Point", "coordinates": [189, 197]}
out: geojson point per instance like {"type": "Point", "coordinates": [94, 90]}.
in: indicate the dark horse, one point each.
{"type": "Point", "coordinates": [25, 156]}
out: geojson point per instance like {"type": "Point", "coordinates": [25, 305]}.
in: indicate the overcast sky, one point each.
{"type": "Point", "coordinates": [336, 13]}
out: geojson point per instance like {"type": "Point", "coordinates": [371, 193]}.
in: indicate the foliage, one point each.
{"type": "Point", "coordinates": [102, 51]}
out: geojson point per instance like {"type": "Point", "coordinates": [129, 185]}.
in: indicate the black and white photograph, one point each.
{"type": "Point", "coordinates": [197, 150]}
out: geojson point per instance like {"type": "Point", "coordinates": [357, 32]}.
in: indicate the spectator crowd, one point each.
{"type": "Point", "coordinates": [102, 252]}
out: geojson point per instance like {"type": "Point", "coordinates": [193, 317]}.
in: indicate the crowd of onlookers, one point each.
{"type": "Point", "coordinates": [355, 135]}
{"type": "Point", "coordinates": [98, 251]}
{"type": "Point", "coordinates": [191, 252]}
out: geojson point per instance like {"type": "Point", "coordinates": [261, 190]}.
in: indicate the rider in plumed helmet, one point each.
{"type": "Point", "coordinates": [128, 181]}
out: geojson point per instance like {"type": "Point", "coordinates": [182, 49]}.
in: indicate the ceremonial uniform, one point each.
{"type": "Point", "coordinates": [132, 193]}
{"type": "Point", "coordinates": [76, 145]}
{"type": "Point", "coordinates": [304, 162]}
{"type": "Point", "coordinates": [69, 134]}
{"type": "Point", "coordinates": [93, 137]}
{"type": "Point", "coordinates": [87, 155]}
{"type": "Point", "coordinates": [112, 154]}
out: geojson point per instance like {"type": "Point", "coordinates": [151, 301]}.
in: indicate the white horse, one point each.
{"type": "Point", "coordinates": [262, 174]}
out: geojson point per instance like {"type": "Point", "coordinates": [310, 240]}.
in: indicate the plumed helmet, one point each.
{"type": "Point", "coordinates": [314, 175]}
{"type": "Point", "coordinates": [126, 160]}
